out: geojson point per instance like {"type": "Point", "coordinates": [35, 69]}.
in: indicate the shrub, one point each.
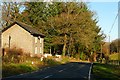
{"type": "Point", "coordinates": [50, 61]}
{"type": "Point", "coordinates": [65, 59]}
{"type": "Point", "coordinates": [114, 56]}
{"type": "Point", "coordinates": [15, 55]}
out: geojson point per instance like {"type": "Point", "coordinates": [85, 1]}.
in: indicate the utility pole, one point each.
{"type": "Point", "coordinates": [109, 43]}
{"type": "Point", "coordinates": [118, 31]}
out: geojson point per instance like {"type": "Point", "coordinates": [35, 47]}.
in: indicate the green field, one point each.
{"type": "Point", "coordinates": [106, 72]}
{"type": "Point", "coordinates": [115, 56]}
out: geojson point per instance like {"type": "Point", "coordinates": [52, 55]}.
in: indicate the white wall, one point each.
{"type": "Point", "coordinates": [19, 38]}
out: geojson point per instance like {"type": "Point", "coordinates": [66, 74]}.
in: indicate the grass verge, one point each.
{"type": "Point", "coordinates": [14, 69]}
{"type": "Point", "coordinates": [106, 72]}
{"type": "Point", "coordinates": [11, 69]}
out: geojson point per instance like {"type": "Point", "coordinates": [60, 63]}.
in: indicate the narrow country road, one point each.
{"type": "Point", "coordinates": [71, 71]}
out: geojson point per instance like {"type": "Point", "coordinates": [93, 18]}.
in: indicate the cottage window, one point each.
{"type": "Point", "coordinates": [40, 40]}
{"type": "Point", "coordinates": [35, 50]}
{"type": "Point", "coordinates": [35, 39]}
{"type": "Point", "coordinates": [41, 50]}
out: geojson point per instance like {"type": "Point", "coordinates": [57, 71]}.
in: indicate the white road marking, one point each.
{"type": "Point", "coordinates": [90, 71]}
{"type": "Point", "coordinates": [47, 76]}
{"type": "Point", "coordinates": [60, 70]}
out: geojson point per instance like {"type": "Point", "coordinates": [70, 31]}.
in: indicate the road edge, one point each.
{"type": "Point", "coordinates": [90, 71]}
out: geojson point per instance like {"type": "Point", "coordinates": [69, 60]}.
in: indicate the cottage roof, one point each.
{"type": "Point", "coordinates": [28, 28]}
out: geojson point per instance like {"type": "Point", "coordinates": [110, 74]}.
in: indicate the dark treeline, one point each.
{"type": "Point", "coordinates": [115, 46]}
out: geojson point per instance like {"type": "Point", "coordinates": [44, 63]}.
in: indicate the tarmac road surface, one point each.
{"type": "Point", "coordinates": [69, 71]}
